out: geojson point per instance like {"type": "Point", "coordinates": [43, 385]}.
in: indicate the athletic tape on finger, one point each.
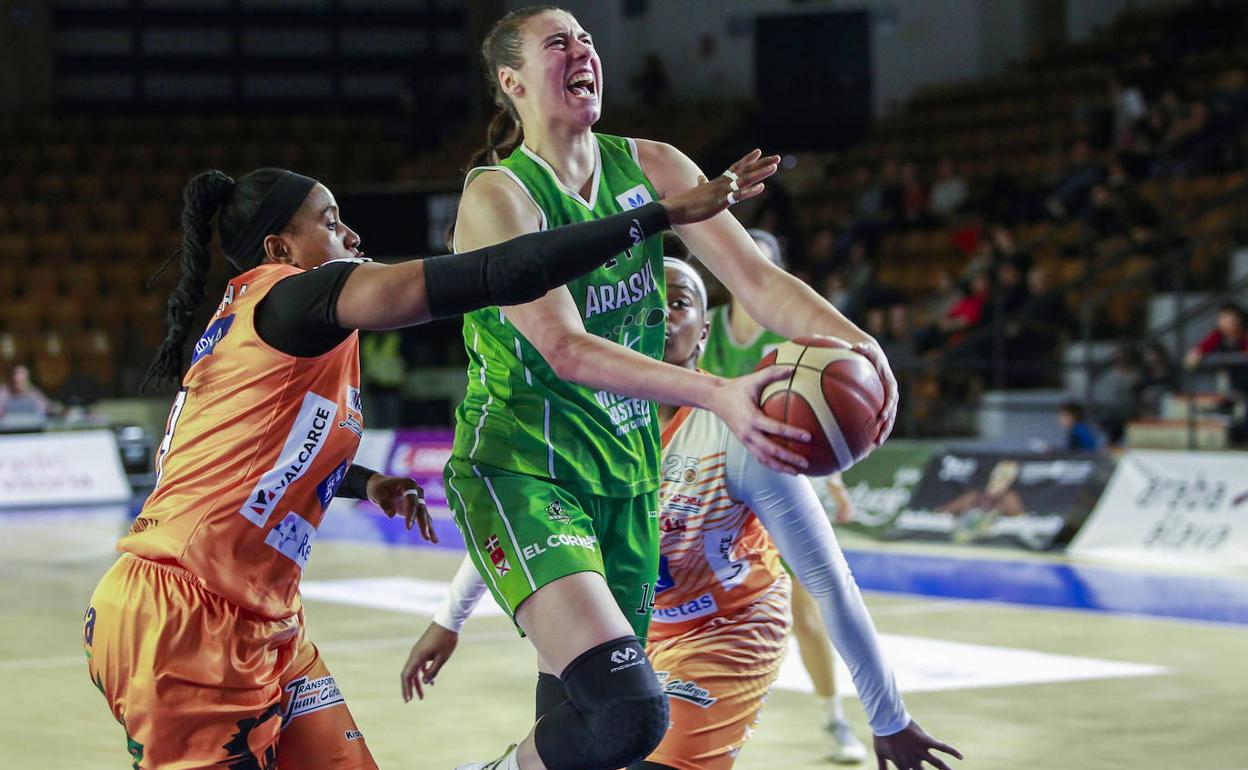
{"type": "Point", "coordinates": [732, 175]}
{"type": "Point", "coordinates": [420, 500]}
{"type": "Point", "coordinates": [732, 198]}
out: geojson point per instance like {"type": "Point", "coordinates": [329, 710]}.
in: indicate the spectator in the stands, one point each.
{"type": "Point", "coordinates": [1129, 109]}
{"type": "Point", "coordinates": [1042, 321]}
{"type": "Point", "coordinates": [1228, 341]}
{"type": "Point", "coordinates": [949, 191]}
{"type": "Point", "coordinates": [1193, 142]}
{"type": "Point", "coordinates": [867, 202]}
{"type": "Point", "coordinates": [20, 398]}
{"type": "Point", "coordinates": [968, 312]}
{"type": "Point", "coordinates": [1081, 173]}
{"type": "Point", "coordinates": [1228, 336]}
{"type": "Point", "coordinates": [941, 296]}
{"type": "Point", "coordinates": [1011, 292]}
{"type": "Point", "coordinates": [1080, 435]}
{"type": "Point", "coordinates": [859, 272]}
{"type": "Point", "coordinates": [1114, 393]}
{"type": "Point", "coordinates": [1157, 379]}
{"type": "Point", "coordinates": [836, 291]}
{"type": "Point", "coordinates": [821, 253]}
{"type": "Point", "coordinates": [382, 372]}
{"type": "Point", "coordinates": [651, 82]}
{"type": "Point", "coordinates": [892, 208]}
{"type": "Point", "coordinates": [1106, 213]}
{"type": "Point", "coordinates": [913, 197]}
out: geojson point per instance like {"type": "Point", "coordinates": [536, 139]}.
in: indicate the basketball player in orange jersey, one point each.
{"type": "Point", "coordinates": [734, 345]}
{"type": "Point", "coordinates": [720, 619]}
{"type": "Point", "coordinates": [195, 636]}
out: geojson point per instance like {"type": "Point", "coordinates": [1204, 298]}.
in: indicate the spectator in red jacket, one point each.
{"type": "Point", "coordinates": [1228, 336]}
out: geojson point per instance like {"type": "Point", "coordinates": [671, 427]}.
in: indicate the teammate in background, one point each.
{"type": "Point", "coordinates": [737, 342]}
{"type": "Point", "coordinates": [734, 346]}
{"type": "Point", "coordinates": [721, 618]}
{"type": "Point", "coordinates": [195, 636]}
{"type": "Point", "coordinates": [554, 472]}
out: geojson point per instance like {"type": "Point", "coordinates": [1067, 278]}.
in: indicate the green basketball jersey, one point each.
{"type": "Point", "coordinates": [724, 357]}
{"type": "Point", "coordinates": [517, 415]}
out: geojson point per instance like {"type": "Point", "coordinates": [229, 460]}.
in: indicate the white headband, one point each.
{"type": "Point", "coordinates": [690, 271]}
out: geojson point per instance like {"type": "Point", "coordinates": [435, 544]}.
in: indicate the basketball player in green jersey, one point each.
{"type": "Point", "coordinates": [737, 342]}
{"type": "Point", "coordinates": [554, 474]}
{"type": "Point", "coordinates": [734, 346]}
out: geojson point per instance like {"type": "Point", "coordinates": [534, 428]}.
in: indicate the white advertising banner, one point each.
{"type": "Point", "coordinates": [1172, 507]}
{"type": "Point", "coordinates": [61, 468]}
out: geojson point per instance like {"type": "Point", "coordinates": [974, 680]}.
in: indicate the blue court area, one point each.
{"type": "Point", "coordinates": [1213, 599]}
{"type": "Point", "coordinates": [1033, 582]}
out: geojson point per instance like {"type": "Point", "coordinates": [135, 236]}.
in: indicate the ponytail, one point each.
{"type": "Point", "coordinates": [202, 198]}
{"type": "Point", "coordinates": [245, 213]}
{"type": "Point", "coordinates": [501, 138]}
{"type": "Point", "coordinates": [502, 47]}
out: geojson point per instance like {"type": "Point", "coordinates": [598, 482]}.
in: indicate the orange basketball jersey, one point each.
{"type": "Point", "coordinates": [254, 448]}
{"type": "Point", "coordinates": [715, 556]}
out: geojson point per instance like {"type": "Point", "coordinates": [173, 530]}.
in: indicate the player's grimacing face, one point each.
{"type": "Point", "coordinates": [317, 234]}
{"type": "Point", "coordinates": [562, 74]}
{"type": "Point", "coordinates": [686, 320]}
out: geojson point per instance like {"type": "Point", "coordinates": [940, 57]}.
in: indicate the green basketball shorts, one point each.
{"type": "Point", "coordinates": [524, 532]}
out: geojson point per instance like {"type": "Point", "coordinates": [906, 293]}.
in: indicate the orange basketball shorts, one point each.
{"type": "Point", "coordinates": [717, 677]}
{"type": "Point", "coordinates": [198, 682]}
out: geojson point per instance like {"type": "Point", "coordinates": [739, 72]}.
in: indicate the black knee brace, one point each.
{"type": "Point", "coordinates": [616, 712]}
{"type": "Point", "coordinates": [550, 693]}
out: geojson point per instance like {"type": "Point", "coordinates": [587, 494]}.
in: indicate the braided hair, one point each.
{"type": "Point", "coordinates": [208, 194]}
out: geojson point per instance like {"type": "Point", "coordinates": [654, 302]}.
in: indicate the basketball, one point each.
{"type": "Point", "coordinates": [834, 392]}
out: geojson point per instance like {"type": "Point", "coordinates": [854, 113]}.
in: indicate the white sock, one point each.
{"type": "Point", "coordinates": [833, 708]}
{"type": "Point", "coordinates": [511, 761]}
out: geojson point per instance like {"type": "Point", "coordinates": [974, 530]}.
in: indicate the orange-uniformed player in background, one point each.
{"type": "Point", "coordinates": [195, 636]}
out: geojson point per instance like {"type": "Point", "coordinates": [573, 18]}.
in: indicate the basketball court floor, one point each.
{"type": "Point", "coordinates": [1021, 662]}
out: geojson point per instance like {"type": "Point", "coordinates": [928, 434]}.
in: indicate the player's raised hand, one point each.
{"type": "Point", "coordinates": [426, 659]}
{"type": "Point", "coordinates": [400, 496]}
{"type": "Point", "coordinates": [743, 180]}
{"type": "Point", "coordinates": [910, 748]}
{"type": "Point", "coordinates": [736, 403]}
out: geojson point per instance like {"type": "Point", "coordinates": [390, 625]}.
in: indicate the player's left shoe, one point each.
{"type": "Point", "coordinates": [846, 748]}
{"type": "Point", "coordinates": [506, 762]}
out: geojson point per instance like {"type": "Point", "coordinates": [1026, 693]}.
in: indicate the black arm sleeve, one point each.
{"type": "Point", "coordinates": [524, 268]}
{"type": "Point", "coordinates": [299, 315]}
{"type": "Point", "coordinates": [354, 484]}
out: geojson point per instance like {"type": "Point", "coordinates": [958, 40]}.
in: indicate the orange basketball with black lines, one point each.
{"type": "Point", "coordinates": [834, 393]}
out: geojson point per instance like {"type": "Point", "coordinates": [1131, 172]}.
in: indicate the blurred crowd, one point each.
{"type": "Point", "coordinates": [994, 314]}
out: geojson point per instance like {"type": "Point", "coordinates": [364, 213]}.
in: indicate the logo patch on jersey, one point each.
{"type": "Point", "coordinates": [329, 486]}
{"type": "Point", "coordinates": [685, 690]}
{"type": "Point", "coordinates": [497, 557]}
{"type": "Point", "coordinates": [354, 402]}
{"type": "Point", "coordinates": [303, 444]}
{"type": "Point", "coordinates": [613, 296]}
{"type": "Point", "coordinates": [293, 539]}
{"type": "Point", "coordinates": [681, 469]}
{"type": "Point", "coordinates": [634, 198]}
{"type": "Point", "coordinates": [534, 550]}
{"type": "Point", "coordinates": [700, 607]}
{"type": "Point", "coordinates": [215, 333]}
{"type": "Point", "coordinates": [308, 696]}
{"type": "Point", "coordinates": [554, 512]}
